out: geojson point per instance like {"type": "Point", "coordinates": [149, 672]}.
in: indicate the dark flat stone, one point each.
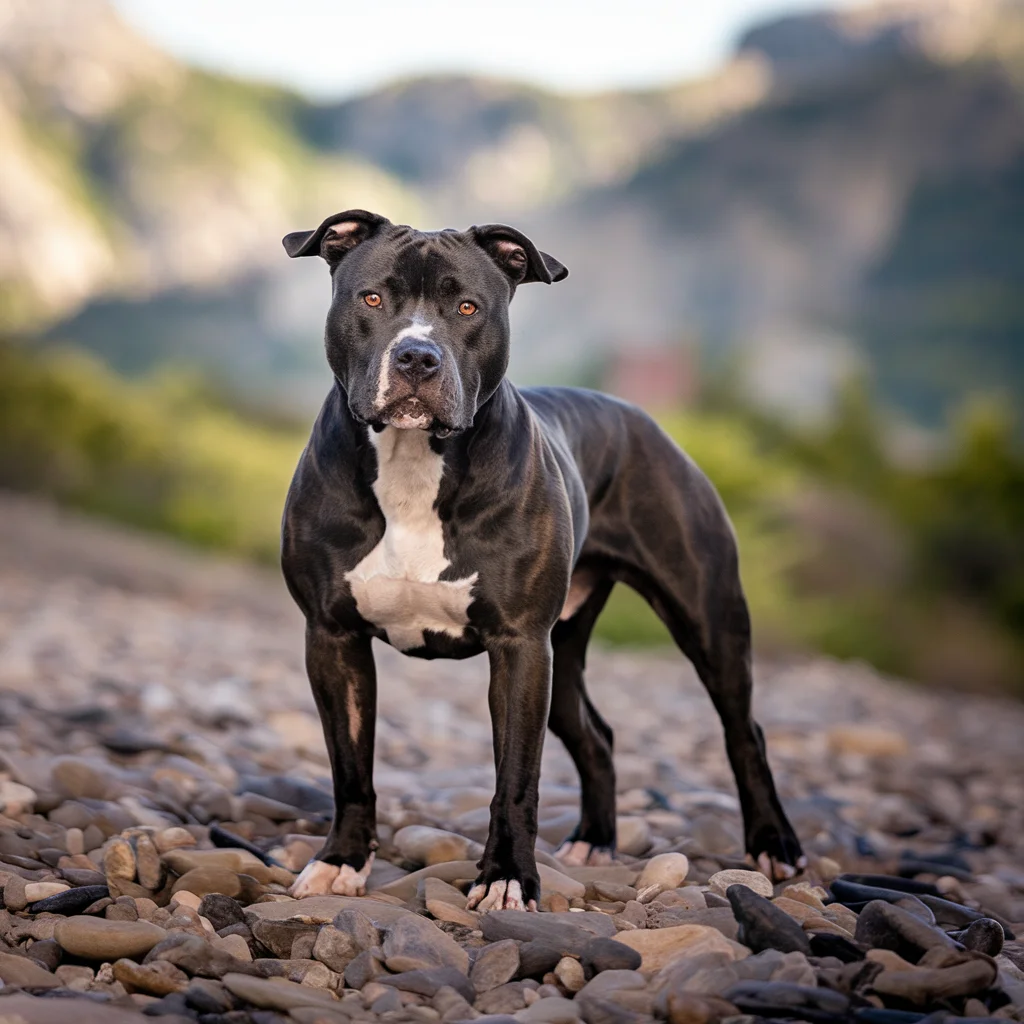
{"type": "Point", "coordinates": [428, 982]}
{"type": "Point", "coordinates": [856, 897]}
{"type": "Point", "coordinates": [71, 901]}
{"type": "Point", "coordinates": [829, 944]}
{"type": "Point", "coordinates": [956, 915]}
{"type": "Point", "coordinates": [763, 925]}
{"type": "Point", "coordinates": [781, 999]}
{"type": "Point", "coordinates": [984, 936]}
{"type": "Point", "coordinates": [602, 954]}
{"type": "Point", "coordinates": [895, 882]}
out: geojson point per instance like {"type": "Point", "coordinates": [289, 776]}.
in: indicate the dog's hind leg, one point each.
{"type": "Point", "coordinates": [585, 734]}
{"type": "Point", "coordinates": [706, 613]}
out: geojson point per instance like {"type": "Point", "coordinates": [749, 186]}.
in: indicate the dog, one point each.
{"type": "Point", "coordinates": [444, 511]}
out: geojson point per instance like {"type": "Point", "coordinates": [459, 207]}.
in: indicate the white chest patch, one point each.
{"type": "Point", "coordinates": [397, 585]}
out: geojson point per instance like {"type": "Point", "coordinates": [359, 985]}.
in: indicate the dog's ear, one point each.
{"type": "Point", "coordinates": [335, 236]}
{"type": "Point", "coordinates": [517, 256]}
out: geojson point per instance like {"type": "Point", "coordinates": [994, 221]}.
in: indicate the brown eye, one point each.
{"type": "Point", "coordinates": [467, 308]}
{"type": "Point", "coordinates": [373, 299]}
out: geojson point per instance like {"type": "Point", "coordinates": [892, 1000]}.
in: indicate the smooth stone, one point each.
{"type": "Point", "coordinates": [35, 892]}
{"type": "Point", "coordinates": [451, 1005]}
{"type": "Point", "coordinates": [954, 915]}
{"type": "Point", "coordinates": [196, 956]}
{"type": "Point", "coordinates": [659, 947]}
{"type": "Point", "coordinates": [426, 846]}
{"type": "Point", "coordinates": [924, 986]}
{"type": "Point", "coordinates": [429, 982]}
{"type": "Point", "coordinates": [538, 958]}
{"type": "Point", "coordinates": [157, 979]}
{"type": "Point", "coordinates": [366, 967]}
{"type": "Point", "coordinates": [95, 938]}
{"type": "Point", "coordinates": [335, 948]}
{"type": "Point", "coordinates": [275, 995]}
{"type": "Point", "coordinates": [71, 901]}
{"type": "Point", "coordinates": [237, 861]}
{"type": "Point", "coordinates": [855, 896]}
{"type": "Point", "coordinates": [208, 880]}
{"type": "Point", "coordinates": [233, 945]}
{"type": "Point", "coordinates": [221, 911]}
{"type": "Point", "coordinates": [633, 836]}
{"type": "Point", "coordinates": [83, 876]}
{"type": "Point", "coordinates": [552, 880]}
{"type": "Point", "coordinates": [79, 779]}
{"type": "Point", "coordinates": [119, 860]}
{"type": "Point", "coordinates": [569, 972]}
{"type": "Point", "coordinates": [506, 998]}
{"type": "Point", "coordinates": [495, 964]}
{"type": "Point", "coordinates": [24, 972]}
{"type": "Point", "coordinates": [548, 928]}
{"type": "Point", "coordinates": [757, 997]}
{"type": "Point", "coordinates": [911, 885]}
{"type": "Point", "coordinates": [26, 1009]}
{"type": "Point", "coordinates": [721, 880]}
{"type": "Point", "coordinates": [553, 1010]}
{"type": "Point", "coordinates": [279, 936]}
{"type": "Point", "coordinates": [721, 918]}
{"type": "Point", "coordinates": [667, 870]}
{"type": "Point", "coordinates": [601, 954]}
{"type": "Point", "coordinates": [984, 936]}
{"type": "Point", "coordinates": [206, 996]}
{"type": "Point", "coordinates": [446, 903]}
{"type": "Point", "coordinates": [763, 925]}
{"type": "Point", "coordinates": [148, 866]}
{"type": "Point", "coordinates": [882, 925]}
{"type": "Point", "coordinates": [413, 943]}
{"type": "Point", "coordinates": [621, 874]}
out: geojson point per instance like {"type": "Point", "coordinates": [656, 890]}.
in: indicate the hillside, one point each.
{"type": "Point", "coordinates": [842, 193]}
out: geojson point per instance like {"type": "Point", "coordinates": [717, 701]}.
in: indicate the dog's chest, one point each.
{"type": "Point", "coordinates": [397, 586]}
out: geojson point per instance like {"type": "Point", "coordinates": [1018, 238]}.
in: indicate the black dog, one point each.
{"type": "Point", "coordinates": [439, 509]}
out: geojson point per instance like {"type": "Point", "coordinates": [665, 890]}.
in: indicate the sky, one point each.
{"type": "Point", "coordinates": [337, 48]}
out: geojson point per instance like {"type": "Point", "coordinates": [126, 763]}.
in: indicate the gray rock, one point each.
{"type": "Point", "coordinates": [276, 995]}
{"type": "Point", "coordinates": [885, 926]}
{"type": "Point", "coordinates": [496, 964]}
{"type": "Point", "coordinates": [773, 999]}
{"type": "Point", "coordinates": [335, 948]}
{"type": "Point", "coordinates": [94, 938]}
{"type": "Point", "coordinates": [199, 958]}
{"type": "Point", "coordinates": [365, 967]}
{"type": "Point", "coordinates": [452, 1005]}
{"type": "Point", "coordinates": [427, 983]}
{"type": "Point", "coordinates": [71, 901]}
{"type": "Point", "coordinates": [506, 998]}
{"type": "Point", "coordinates": [279, 936]}
{"type": "Point", "coordinates": [221, 911]}
{"type": "Point", "coordinates": [413, 943]}
{"type": "Point", "coordinates": [984, 936]}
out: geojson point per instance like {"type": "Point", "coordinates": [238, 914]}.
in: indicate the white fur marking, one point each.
{"type": "Point", "coordinates": [414, 330]}
{"type": "Point", "coordinates": [318, 878]}
{"type": "Point", "coordinates": [397, 586]}
{"type": "Point", "coordinates": [504, 894]}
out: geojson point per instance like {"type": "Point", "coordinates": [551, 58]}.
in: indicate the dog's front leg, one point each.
{"type": "Point", "coordinates": [344, 681]}
{"type": "Point", "coordinates": [519, 695]}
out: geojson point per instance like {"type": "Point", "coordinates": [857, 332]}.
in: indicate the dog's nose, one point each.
{"type": "Point", "coordinates": [417, 359]}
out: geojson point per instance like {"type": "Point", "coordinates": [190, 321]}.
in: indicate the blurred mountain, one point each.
{"type": "Point", "coordinates": [846, 191]}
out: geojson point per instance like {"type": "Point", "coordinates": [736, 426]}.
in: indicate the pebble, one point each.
{"type": "Point", "coordinates": [24, 972]}
{"type": "Point", "coordinates": [157, 979]}
{"type": "Point", "coordinates": [633, 836]}
{"type": "Point", "coordinates": [206, 881]}
{"type": "Point", "coordinates": [277, 994]}
{"type": "Point", "coordinates": [667, 870]}
{"type": "Point", "coordinates": [569, 972]}
{"type": "Point", "coordinates": [659, 947]}
{"type": "Point", "coordinates": [495, 964]}
{"type": "Point", "coordinates": [721, 880]}
{"type": "Point", "coordinates": [37, 891]}
{"type": "Point", "coordinates": [424, 846]}
{"type": "Point", "coordinates": [94, 938]}
{"type": "Point", "coordinates": [412, 943]}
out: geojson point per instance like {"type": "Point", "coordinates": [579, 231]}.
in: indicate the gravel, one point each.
{"type": "Point", "coordinates": [163, 778]}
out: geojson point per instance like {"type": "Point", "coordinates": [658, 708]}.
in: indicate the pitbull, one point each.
{"type": "Point", "coordinates": [444, 511]}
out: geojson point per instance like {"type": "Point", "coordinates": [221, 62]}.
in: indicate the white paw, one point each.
{"type": "Point", "coordinates": [318, 879]}
{"type": "Point", "coordinates": [505, 894]}
{"type": "Point", "coordinates": [578, 855]}
{"type": "Point", "coordinates": [777, 870]}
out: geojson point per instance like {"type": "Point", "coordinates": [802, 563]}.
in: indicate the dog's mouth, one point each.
{"type": "Point", "coordinates": [412, 413]}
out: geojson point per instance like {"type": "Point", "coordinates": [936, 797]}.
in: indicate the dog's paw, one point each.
{"type": "Point", "coordinates": [577, 854]}
{"type": "Point", "coordinates": [504, 894]}
{"type": "Point", "coordinates": [319, 879]}
{"type": "Point", "coordinates": [778, 855]}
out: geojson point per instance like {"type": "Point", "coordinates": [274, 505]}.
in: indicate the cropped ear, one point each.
{"type": "Point", "coordinates": [517, 256]}
{"type": "Point", "coordinates": [335, 236]}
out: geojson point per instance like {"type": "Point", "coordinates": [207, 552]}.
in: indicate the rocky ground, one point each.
{"type": "Point", "coordinates": [162, 777]}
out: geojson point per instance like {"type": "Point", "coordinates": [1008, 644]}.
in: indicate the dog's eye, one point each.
{"type": "Point", "coordinates": [373, 299]}
{"type": "Point", "coordinates": [467, 308]}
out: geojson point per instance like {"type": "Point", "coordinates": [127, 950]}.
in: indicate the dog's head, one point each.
{"type": "Point", "coordinates": [417, 333]}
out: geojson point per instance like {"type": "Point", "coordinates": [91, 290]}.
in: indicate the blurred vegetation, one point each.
{"type": "Point", "coordinates": [915, 564]}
